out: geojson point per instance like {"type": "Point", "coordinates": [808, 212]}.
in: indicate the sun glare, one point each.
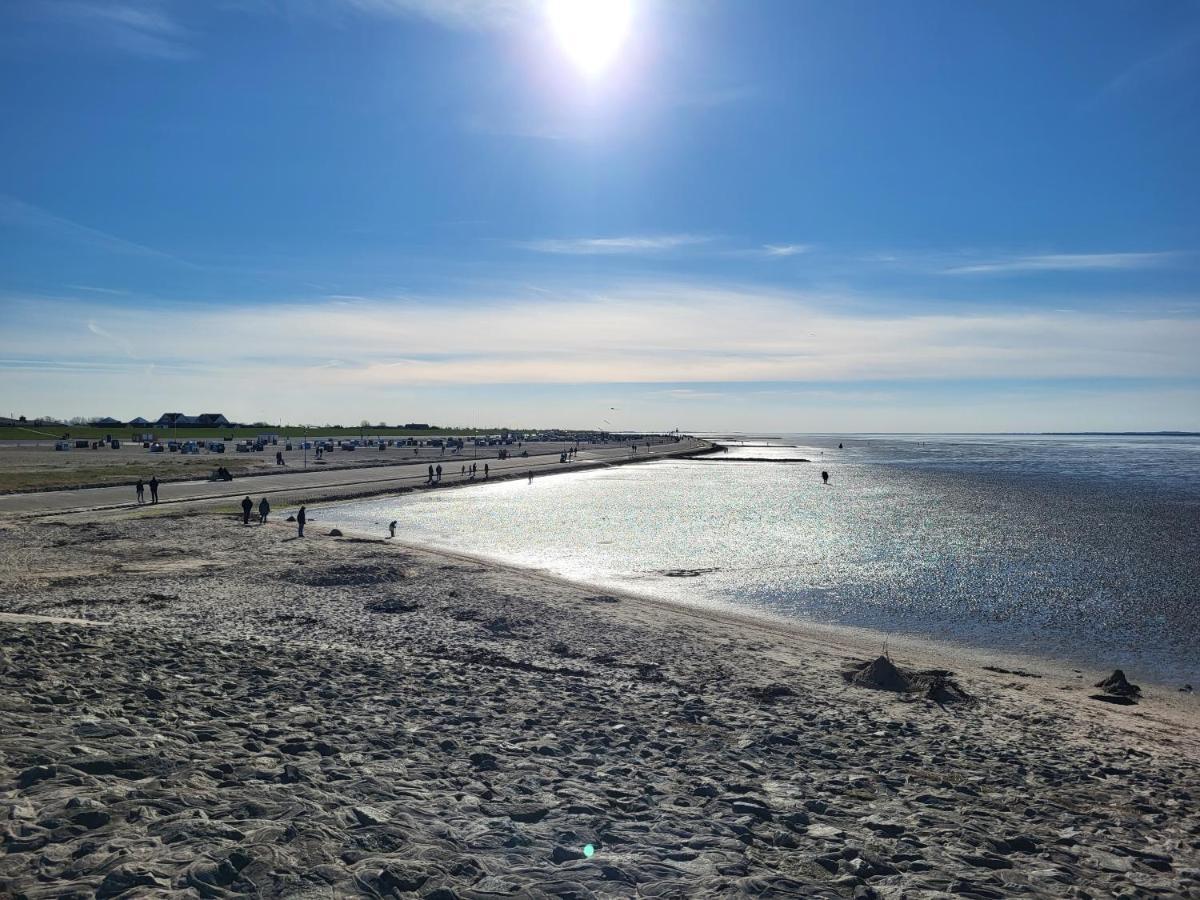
{"type": "Point", "coordinates": [590, 31]}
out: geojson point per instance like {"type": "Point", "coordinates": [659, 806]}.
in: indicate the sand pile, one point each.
{"type": "Point", "coordinates": [1118, 690]}
{"type": "Point", "coordinates": [881, 674]}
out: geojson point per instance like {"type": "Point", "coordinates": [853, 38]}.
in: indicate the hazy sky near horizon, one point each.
{"type": "Point", "coordinates": [705, 214]}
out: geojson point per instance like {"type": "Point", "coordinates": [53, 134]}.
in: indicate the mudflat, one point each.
{"type": "Point", "coordinates": [189, 705]}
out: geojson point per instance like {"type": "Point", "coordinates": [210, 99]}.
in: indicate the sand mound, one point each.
{"type": "Point", "coordinates": [1117, 685]}
{"type": "Point", "coordinates": [881, 674]}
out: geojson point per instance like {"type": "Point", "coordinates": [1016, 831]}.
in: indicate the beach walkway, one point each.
{"type": "Point", "coordinates": [332, 482]}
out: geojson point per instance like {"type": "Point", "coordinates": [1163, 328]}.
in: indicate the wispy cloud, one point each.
{"type": "Point", "coordinates": [17, 214]}
{"type": "Point", "coordinates": [630, 244]}
{"type": "Point", "coordinates": [472, 14]}
{"type": "Point", "coordinates": [780, 250]}
{"type": "Point", "coordinates": [1181, 58]}
{"type": "Point", "coordinates": [140, 27]}
{"type": "Point", "coordinates": [1066, 262]}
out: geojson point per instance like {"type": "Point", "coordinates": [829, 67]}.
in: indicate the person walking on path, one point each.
{"type": "Point", "coordinates": [430, 479]}
{"type": "Point", "coordinates": [247, 505]}
{"type": "Point", "coordinates": [392, 528]}
{"type": "Point", "coordinates": [531, 476]}
{"type": "Point", "coordinates": [264, 509]}
{"type": "Point", "coordinates": [153, 489]}
{"type": "Point", "coordinates": [439, 473]}
{"type": "Point", "coordinates": [141, 492]}
{"type": "Point", "coordinates": [300, 519]}
{"type": "Point", "coordinates": [486, 471]}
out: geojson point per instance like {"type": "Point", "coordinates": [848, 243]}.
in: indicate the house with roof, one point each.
{"type": "Point", "coordinates": [108, 422]}
{"type": "Point", "coordinates": [182, 420]}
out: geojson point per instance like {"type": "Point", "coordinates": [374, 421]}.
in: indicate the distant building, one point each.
{"type": "Point", "coordinates": [139, 422]}
{"type": "Point", "coordinates": [108, 422]}
{"type": "Point", "coordinates": [181, 420]}
{"type": "Point", "coordinates": [417, 426]}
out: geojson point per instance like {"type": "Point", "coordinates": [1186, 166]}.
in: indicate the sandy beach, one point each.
{"type": "Point", "coordinates": [197, 708]}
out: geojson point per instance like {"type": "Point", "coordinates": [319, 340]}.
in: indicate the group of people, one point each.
{"type": "Point", "coordinates": [264, 509]}
{"type": "Point", "coordinates": [465, 471]}
{"type": "Point", "coordinates": [140, 487]}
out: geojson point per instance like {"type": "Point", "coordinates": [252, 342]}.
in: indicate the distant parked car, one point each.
{"type": "Point", "coordinates": [62, 445]}
{"type": "Point", "coordinates": [216, 447]}
{"type": "Point", "coordinates": [156, 447]}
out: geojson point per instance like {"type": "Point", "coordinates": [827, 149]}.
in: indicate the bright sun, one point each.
{"type": "Point", "coordinates": [590, 31]}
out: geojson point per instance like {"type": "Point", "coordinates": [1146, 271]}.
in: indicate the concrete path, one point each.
{"type": "Point", "coordinates": [300, 485]}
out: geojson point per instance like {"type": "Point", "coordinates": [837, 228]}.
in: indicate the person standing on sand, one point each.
{"type": "Point", "coordinates": [485, 471]}
{"type": "Point", "coordinates": [824, 477]}
{"type": "Point", "coordinates": [300, 519]}
{"type": "Point", "coordinates": [141, 492]}
{"type": "Point", "coordinates": [153, 489]}
{"type": "Point", "coordinates": [430, 479]}
{"type": "Point", "coordinates": [439, 473]}
{"type": "Point", "coordinates": [264, 509]}
{"type": "Point", "coordinates": [392, 528]}
{"type": "Point", "coordinates": [247, 505]}
{"type": "Point", "coordinates": [531, 476]}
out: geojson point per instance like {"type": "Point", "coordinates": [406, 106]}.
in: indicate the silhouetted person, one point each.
{"type": "Point", "coordinates": [430, 475]}
{"type": "Point", "coordinates": [531, 476]}
{"type": "Point", "coordinates": [392, 528]}
{"type": "Point", "coordinates": [300, 519]}
{"type": "Point", "coordinates": [486, 471]}
{"type": "Point", "coordinates": [839, 446]}
{"type": "Point", "coordinates": [247, 505]}
{"type": "Point", "coordinates": [279, 457]}
{"type": "Point", "coordinates": [141, 491]}
{"type": "Point", "coordinates": [439, 473]}
{"type": "Point", "coordinates": [153, 489]}
{"type": "Point", "coordinates": [264, 509]}
{"type": "Point", "coordinates": [824, 477]}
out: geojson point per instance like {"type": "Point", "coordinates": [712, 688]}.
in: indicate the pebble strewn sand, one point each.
{"type": "Point", "coordinates": [319, 718]}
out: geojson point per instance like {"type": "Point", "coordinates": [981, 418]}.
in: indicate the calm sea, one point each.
{"type": "Point", "coordinates": [1079, 548]}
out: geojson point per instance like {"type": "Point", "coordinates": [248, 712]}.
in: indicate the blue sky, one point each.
{"type": "Point", "coordinates": [770, 215]}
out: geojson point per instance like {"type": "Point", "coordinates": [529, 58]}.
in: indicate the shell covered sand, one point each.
{"type": "Point", "coordinates": [273, 717]}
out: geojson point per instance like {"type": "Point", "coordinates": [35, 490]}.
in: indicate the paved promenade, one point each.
{"type": "Point", "coordinates": [299, 485]}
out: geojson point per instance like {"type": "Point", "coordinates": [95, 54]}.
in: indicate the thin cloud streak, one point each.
{"type": "Point", "coordinates": [463, 14]}
{"type": "Point", "coordinates": [612, 245]}
{"type": "Point", "coordinates": [1067, 262]}
{"type": "Point", "coordinates": [781, 250]}
{"type": "Point", "coordinates": [15, 213]}
{"type": "Point", "coordinates": [140, 27]}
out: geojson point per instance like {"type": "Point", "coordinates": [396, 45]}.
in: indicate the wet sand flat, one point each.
{"type": "Point", "coordinates": [267, 716]}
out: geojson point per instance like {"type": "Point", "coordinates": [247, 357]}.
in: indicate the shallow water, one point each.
{"type": "Point", "coordinates": [1076, 548]}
